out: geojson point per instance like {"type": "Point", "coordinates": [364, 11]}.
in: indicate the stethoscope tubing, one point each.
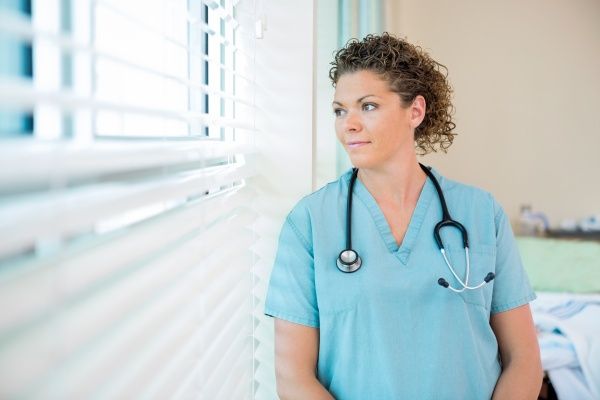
{"type": "Point", "coordinates": [349, 261]}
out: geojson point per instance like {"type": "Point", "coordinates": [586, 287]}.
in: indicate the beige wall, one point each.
{"type": "Point", "coordinates": [526, 76]}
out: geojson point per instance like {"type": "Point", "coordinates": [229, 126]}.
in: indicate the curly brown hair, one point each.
{"type": "Point", "coordinates": [410, 72]}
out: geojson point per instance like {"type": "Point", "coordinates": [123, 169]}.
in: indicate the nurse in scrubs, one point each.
{"type": "Point", "coordinates": [389, 330]}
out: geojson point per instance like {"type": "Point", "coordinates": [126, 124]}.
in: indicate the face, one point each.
{"type": "Point", "coordinates": [371, 122]}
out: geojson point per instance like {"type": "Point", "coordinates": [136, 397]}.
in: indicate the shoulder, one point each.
{"type": "Point", "coordinates": [318, 204]}
{"type": "Point", "coordinates": [473, 195]}
{"type": "Point", "coordinates": [474, 202]}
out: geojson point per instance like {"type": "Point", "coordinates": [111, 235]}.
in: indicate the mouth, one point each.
{"type": "Point", "coordinates": [356, 144]}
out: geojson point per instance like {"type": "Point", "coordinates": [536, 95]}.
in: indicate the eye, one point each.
{"type": "Point", "coordinates": [338, 112]}
{"type": "Point", "coordinates": [369, 106]}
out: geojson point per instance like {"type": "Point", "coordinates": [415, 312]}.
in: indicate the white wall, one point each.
{"type": "Point", "coordinates": [527, 91]}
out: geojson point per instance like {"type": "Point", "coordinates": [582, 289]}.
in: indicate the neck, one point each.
{"type": "Point", "coordinates": [399, 184]}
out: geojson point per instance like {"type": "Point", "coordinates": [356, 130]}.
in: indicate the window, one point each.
{"type": "Point", "coordinates": [125, 264]}
{"type": "Point", "coordinates": [15, 63]}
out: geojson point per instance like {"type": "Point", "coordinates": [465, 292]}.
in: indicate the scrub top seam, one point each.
{"type": "Point", "coordinates": [270, 312]}
{"type": "Point", "coordinates": [378, 220]}
{"type": "Point", "coordinates": [377, 217]}
{"type": "Point", "coordinates": [513, 304]}
{"type": "Point", "coordinates": [307, 246]}
{"type": "Point", "coordinates": [420, 214]}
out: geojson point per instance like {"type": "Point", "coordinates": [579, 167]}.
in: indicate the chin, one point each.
{"type": "Point", "coordinates": [363, 162]}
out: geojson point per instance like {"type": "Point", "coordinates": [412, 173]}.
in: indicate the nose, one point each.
{"type": "Point", "coordinates": [352, 122]}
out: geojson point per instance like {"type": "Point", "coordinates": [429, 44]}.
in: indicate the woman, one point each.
{"type": "Point", "coordinates": [399, 319]}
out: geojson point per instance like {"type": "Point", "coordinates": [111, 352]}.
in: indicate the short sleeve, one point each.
{"type": "Point", "coordinates": [511, 284]}
{"type": "Point", "coordinates": [291, 292]}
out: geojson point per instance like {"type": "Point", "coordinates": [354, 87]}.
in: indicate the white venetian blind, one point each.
{"type": "Point", "coordinates": [125, 214]}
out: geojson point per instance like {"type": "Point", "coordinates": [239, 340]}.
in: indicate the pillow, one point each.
{"type": "Point", "coordinates": [559, 265]}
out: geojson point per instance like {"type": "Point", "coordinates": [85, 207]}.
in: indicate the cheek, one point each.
{"type": "Point", "coordinates": [388, 131]}
{"type": "Point", "coordinates": [377, 123]}
{"type": "Point", "coordinates": [338, 130]}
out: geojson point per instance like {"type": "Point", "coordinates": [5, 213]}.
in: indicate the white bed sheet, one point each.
{"type": "Point", "coordinates": [569, 335]}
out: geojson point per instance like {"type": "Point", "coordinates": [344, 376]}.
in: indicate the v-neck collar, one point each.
{"type": "Point", "coordinates": [403, 251]}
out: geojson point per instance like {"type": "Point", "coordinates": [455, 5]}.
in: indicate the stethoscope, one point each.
{"type": "Point", "coordinates": [350, 261]}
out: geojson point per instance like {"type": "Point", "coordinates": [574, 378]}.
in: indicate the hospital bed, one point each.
{"type": "Point", "coordinates": [566, 277]}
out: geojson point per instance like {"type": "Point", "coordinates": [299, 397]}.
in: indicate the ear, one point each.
{"type": "Point", "coordinates": [417, 111]}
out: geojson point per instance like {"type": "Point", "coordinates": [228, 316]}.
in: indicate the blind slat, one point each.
{"type": "Point", "coordinates": [22, 28]}
{"type": "Point", "coordinates": [243, 391]}
{"type": "Point", "coordinates": [129, 376]}
{"type": "Point", "coordinates": [68, 162]}
{"type": "Point", "coordinates": [222, 12]}
{"type": "Point", "coordinates": [20, 307]}
{"type": "Point", "coordinates": [238, 380]}
{"type": "Point", "coordinates": [236, 339]}
{"type": "Point", "coordinates": [157, 32]}
{"type": "Point", "coordinates": [197, 87]}
{"type": "Point", "coordinates": [23, 96]}
{"type": "Point", "coordinates": [88, 356]}
{"type": "Point", "coordinates": [80, 210]}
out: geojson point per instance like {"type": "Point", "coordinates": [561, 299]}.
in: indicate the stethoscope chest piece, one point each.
{"type": "Point", "coordinates": [348, 261]}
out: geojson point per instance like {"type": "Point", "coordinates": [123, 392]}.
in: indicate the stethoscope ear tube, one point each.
{"type": "Point", "coordinates": [450, 222]}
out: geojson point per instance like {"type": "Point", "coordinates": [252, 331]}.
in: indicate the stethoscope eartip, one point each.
{"type": "Point", "coordinates": [489, 277]}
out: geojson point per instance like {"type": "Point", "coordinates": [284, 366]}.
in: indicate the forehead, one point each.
{"type": "Point", "coordinates": [361, 82]}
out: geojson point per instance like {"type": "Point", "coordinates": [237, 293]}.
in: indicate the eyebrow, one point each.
{"type": "Point", "coordinates": [358, 101]}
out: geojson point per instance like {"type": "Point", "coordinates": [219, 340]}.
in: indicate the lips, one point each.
{"type": "Point", "coordinates": [355, 144]}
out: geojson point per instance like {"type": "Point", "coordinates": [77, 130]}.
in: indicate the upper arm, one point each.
{"type": "Point", "coordinates": [296, 351]}
{"type": "Point", "coordinates": [516, 335]}
{"type": "Point", "coordinates": [292, 301]}
{"type": "Point", "coordinates": [511, 284]}
{"type": "Point", "coordinates": [291, 294]}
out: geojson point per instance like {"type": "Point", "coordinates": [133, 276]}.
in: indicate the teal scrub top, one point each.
{"type": "Point", "coordinates": [388, 330]}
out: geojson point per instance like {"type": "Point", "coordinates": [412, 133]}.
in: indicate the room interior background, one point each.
{"type": "Point", "coordinates": [526, 87]}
